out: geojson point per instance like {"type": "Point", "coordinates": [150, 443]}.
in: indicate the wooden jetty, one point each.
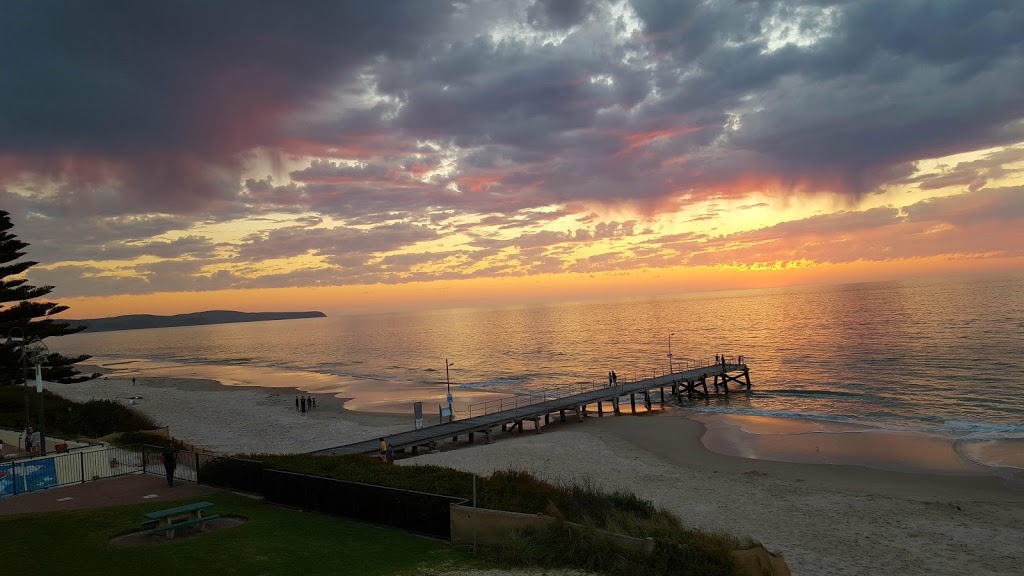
{"type": "Point", "coordinates": [510, 413]}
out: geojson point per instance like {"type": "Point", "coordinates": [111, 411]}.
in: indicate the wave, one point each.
{"type": "Point", "coordinates": [778, 414]}
{"type": "Point", "coordinates": [494, 383]}
{"type": "Point", "coordinates": [809, 393]}
{"type": "Point", "coordinates": [970, 431]}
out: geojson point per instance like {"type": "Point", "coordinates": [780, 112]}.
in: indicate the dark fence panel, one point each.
{"type": "Point", "coordinates": [413, 511]}
{"type": "Point", "coordinates": [188, 464]}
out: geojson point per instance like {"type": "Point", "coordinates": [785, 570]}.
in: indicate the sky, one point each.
{"type": "Point", "coordinates": [370, 156]}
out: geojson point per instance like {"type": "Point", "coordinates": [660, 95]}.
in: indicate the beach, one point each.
{"type": "Point", "coordinates": [238, 419]}
{"type": "Point", "coordinates": [824, 518]}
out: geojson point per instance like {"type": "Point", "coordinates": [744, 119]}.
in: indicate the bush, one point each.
{"type": "Point", "coordinates": [64, 417]}
{"type": "Point", "coordinates": [679, 551]}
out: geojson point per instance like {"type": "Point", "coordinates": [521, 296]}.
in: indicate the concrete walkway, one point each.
{"type": "Point", "coordinates": [129, 489]}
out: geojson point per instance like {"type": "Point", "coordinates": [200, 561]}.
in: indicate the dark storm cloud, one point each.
{"type": "Point", "coordinates": [887, 82]}
{"type": "Point", "coordinates": [558, 13]}
{"type": "Point", "coordinates": [163, 95]}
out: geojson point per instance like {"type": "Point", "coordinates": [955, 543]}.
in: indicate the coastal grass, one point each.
{"type": "Point", "coordinates": [581, 510]}
{"type": "Point", "coordinates": [67, 418]}
{"type": "Point", "coordinates": [273, 540]}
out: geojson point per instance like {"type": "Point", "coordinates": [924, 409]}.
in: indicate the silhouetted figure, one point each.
{"type": "Point", "coordinates": [313, 400]}
{"type": "Point", "coordinates": [615, 377]}
{"type": "Point", "coordinates": [170, 458]}
{"type": "Point", "coordinates": [296, 402]}
{"type": "Point", "coordinates": [610, 379]}
{"type": "Point", "coordinates": [302, 403]}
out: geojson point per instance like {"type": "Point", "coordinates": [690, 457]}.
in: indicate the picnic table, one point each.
{"type": "Point", "coordinates": [171, 519]}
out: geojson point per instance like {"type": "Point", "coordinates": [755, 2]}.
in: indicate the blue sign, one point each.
{"type": "Point", "coordinates": [18, 477]}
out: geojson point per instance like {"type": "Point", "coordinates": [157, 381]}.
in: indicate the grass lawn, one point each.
{"type": "Point", "coordinates": [273, 541]}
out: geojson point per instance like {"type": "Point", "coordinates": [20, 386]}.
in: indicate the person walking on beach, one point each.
{"type": "Point", "coordinates": [302, 403]}
{"type": "Point", "coordinates": [170, 458]}
{"type": "Point", "coordinates": [313, 400]}
{"type": "Point", "coordinates": [296, 403]}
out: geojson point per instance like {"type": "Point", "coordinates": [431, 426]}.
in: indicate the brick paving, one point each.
{"type": "Point", "coordinates": [128, 489]}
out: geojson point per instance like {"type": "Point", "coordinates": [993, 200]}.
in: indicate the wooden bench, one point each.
{"type": "Point", "coordinates": [170, 528]}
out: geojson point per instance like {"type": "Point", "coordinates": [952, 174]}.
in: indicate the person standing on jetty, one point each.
{"type": "Point", "coordinates": [170, 458]}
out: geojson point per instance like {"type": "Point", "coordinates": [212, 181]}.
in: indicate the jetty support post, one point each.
{"type": "Point", "coordinates": [632, 402]}
{"type": "Point", "coordinates": [561, 414]}
{"type": "Point", "coordinates": [600, 409]}
{"type": "Point", "coordinates": [746, 376]}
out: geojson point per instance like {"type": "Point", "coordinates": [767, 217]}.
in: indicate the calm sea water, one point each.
{"type": "Point", "coordinates": [930, 355]}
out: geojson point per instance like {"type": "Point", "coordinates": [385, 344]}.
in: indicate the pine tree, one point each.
{"type": "Point", "coordinates": [28, 319]}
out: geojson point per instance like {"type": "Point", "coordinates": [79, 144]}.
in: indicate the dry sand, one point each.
{"type": "Point", "coordinates": [239, 420]}
{"type": "Point", "coordinates": [825, 519]}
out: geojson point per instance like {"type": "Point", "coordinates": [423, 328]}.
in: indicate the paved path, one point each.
{"type": "Point", "coordinates": [129, 489]}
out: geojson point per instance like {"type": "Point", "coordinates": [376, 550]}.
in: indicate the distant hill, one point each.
{"type": "Point", "coordinates": [139, 321]}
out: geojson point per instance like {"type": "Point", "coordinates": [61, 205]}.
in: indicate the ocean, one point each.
{"type": "Point", "coordinates": [928, 356]}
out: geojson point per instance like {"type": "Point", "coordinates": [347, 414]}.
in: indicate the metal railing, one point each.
{"type": "Point", "coordinates": [85, 465]}
{"type": "Point", "coordinates": [527, 397]}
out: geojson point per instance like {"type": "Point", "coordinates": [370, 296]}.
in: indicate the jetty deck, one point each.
{"type": "Point", "coordinates": [511, 412]}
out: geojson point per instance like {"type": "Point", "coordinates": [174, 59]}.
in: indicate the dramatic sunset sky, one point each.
{"type": "Point", "coordinates": [166, 157]}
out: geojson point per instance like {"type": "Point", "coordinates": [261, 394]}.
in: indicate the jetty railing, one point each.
{"type": "Point", "coordinates": [528, 397]}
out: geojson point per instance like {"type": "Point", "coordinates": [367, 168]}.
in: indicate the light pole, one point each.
{"type": "Point", "coordinates": [24, 368]}
{"type": "Point", "coordinates": [448, 380]}
{"type": "Point", "coordinates": [670, 352]}
{"type": "Point", "coordinates": [37, 353]}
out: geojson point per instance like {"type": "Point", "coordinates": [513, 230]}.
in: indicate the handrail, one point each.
{"type": "Point", "coordinates": [522, 398]}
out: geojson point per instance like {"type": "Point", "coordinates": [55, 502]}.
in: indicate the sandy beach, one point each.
{"type": "Point", "coordinates": [237, 419]}
{"type": "Point", "coordinates": [824, 518]}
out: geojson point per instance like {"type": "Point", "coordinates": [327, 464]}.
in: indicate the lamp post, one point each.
{"type": "Point", "coordinates": [37, 353]}
{"type": "Point", "coordinates": [670, 352]}
{"type": "Point", "coordinates": [24, 367]}
{"type": "Point", "coordinates": [448, 380]}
